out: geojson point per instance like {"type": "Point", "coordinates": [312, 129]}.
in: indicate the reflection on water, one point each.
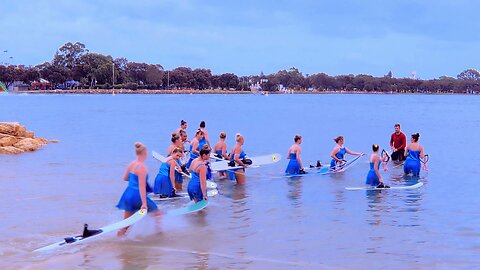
{"type": "Point", "coordinates": [271, 222]}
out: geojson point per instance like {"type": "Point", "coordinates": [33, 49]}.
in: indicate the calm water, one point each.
{"type": "Point", "coordinates": [272, 222]}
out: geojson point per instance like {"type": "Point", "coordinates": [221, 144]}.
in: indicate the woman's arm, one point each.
{"type": "Point", "coordinates": [353, 153]}
{"type": "Point", "coordinates": [334, 152]}
{"type": "Point", "coordinates": [299, 150]}
{"type": "Point", "coordinates": [375, 167]}
{"type": "Point", "coordinates": [173, 165]}
{"type": "Point", "coordinates": [203, 180]}
{"type": "Point", "coordinates": [205, 134]}
{"type": "Point", "coordinates": [224, 151]}
{"type": "Point", "coordinates": [142, 184]}
{"type": "Point", "coordinates": [194, 147]}
{"type": "Point", "coordinates": [237, 157]}
{"type": "Point", "coordinates": [406, 151]}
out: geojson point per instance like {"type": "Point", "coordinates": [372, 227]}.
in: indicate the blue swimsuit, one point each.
{"type": "Point", "coordinates": [163, 184]}
{"type": "Point", "coordinates": [339, 155]}
{"type": "Point", "coordinates": [372, 178]}
{"type": "Point", "coordinates": [131, 200]}
{"type": "Point", "coordinates": [293, 166]}
{"type": "Point", "coordinates": [231, 172]}
{"type": "Point", "coordinates": [194, 188]}
{"type": "Point", "coordinates": [412, 162]}
{"type": "Point", "coordinates": [192, 155]}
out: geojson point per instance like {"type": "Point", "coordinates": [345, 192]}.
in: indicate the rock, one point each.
{"type": "Point", "coordinates": [9, 128]}
{"type": "Point", "coordinates": [15, 139]}
{"type": "Point", "coordinates": [8, 141]}
{"type": "Point", "coordinates": [10, 150]}
{"type": "Point", "coordinates": [29, 144]}
{"type": "Point", "coordinates": [30, 134]}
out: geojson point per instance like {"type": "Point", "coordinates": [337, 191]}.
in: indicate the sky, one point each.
{"type": "Point", "coordinates": [430, 38]}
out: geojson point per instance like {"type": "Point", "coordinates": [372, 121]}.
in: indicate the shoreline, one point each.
{"type": "Point", "coordinates": [216, 92]}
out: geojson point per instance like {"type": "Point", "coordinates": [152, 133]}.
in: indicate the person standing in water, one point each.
{"type": "Point", "coordinates": [195, 147]}
{"type": "Point", "coordinates": [295, 163]}
{"type": "Point", "coordinates": [205, 139]}
{"type": "Point", "coordinates": [338, 153]}
{"type": "Point", "coordinates": [237, 155]}
{"type": "Point", "coordinates": [398, 142]}
{"type": "Point", "coordinates": [414, 153]}
{"type": "Point", "coordinates": [177, 144]}
{"type": "Point", "coordinates": [197, 187]}
{"type": "Point", "coordinates": [134, 198]}
{"type": "Point", "coordinates": [220, 150]}
{"type": "Point", "coordinates": [374, 178]}
{"type": "Point", "coordinates": [165, 185]}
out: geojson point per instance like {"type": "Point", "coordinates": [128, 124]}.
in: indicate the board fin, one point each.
{"type": "Point", "coordinates": [88, 233]}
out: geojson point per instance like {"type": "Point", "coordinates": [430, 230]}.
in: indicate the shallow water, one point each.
{"type": "Point", "coordinates": [273, 222]}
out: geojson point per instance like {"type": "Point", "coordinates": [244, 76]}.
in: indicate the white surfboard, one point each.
{"type": "Point", "coordinates": [122, 224]}
{"type": "Point", "coordinates": [159, 157]}
{"type": "Point", "coordinates": [112, 227]}
{"type": "Point", "coordinates": [223, 165]}
{"type": "Point", "coordinates": [417, 185]}
{"type": "Point", "coordinates": [180, 195]}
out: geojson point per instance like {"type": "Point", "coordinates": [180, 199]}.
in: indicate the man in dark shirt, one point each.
{"type": "Point", "coordinates": [398, 142]}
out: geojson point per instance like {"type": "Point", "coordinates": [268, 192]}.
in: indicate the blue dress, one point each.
{"type": "Point", "coordinates": [131, 200]}
{"type": "Point", "coordinates": [412, 162]}
{"type": "Point", "coordinates": [219, 153]}
{"type": "Point", "coordinates": [163, 184]}
{"type": "Point", "coordinates": [231, 172]}
{"type": "Point", "coordinates": [293, 166]}
{"type": "Point", "coordinates": [372, 178]}
{"type": "Point", "coordinates": [194, 188]}
{"type": "Point", "coordinates": [202, 142]}
{"type": "Point", "coordinates": [340, 154]}
{"type": "Point", "coordinates": [178, 176]}
{"type": "Point", "coordinates": [192, 155]}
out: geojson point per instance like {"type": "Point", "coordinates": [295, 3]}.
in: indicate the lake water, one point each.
{"type": "Point", "coordinates": [271, 222]}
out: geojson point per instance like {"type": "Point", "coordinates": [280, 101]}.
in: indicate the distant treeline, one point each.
{"type": "Point", "coordinates": [73, 62]}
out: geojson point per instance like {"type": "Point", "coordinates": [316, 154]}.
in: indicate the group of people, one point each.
{"type": "Point", "coordinates": [194, 162]}
{"type": "Point", "coordinates": [412, 155]}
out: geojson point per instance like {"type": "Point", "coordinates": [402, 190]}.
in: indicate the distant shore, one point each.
{"type": "Point", "coordinates": [212, 91]}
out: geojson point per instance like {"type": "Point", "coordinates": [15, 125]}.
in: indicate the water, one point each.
{"type": "Point", "coordinates": [306, 223]}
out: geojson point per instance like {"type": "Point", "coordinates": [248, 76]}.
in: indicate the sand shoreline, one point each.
{"type": "Point", "coordinates": [203, 92]}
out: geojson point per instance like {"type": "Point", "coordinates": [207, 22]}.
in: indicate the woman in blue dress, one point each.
{"type": "Point", "coordinates": [205, 139]}
{"type": "Point", "coordinates": [195, 147]}
{"type": "Point", "coordinates": [295, 163]}
{"type": "Point", "coordinates": [414, 153]}
{"type": "Point", "coordinates": [165, 180]}
{"type": "Point", "coordinates": [177, 143]}
{"type": "Point", "coordinates": [134, 197]}
{"type": "Point", "coordinates": [197, 187]}
{"type": "Point", "coordinates": [374, 178]}
{"type": "Point", "coordinates": [339, 152]}
{"type": "Point", "coordinates": [220, 150]}
{"type": "Point", "coordinates": [237, 156]}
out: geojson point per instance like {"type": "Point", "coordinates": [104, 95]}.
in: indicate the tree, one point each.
{"type": "Point", "coordinates": [136, 72]}
{"type": "Point", "coordinates": [68, 57]}
{"type": "Point", "coordinates": [203, 78]}
{"type": "Point", "coordinates": [469, 74]}
{"type": "Point", "coordinates": [228, 80]}
{"type": "Point", "coordinates": [7, 75]}
{"type": "Point", "coordinates": [96, 68]}
{"type": "Point", "coordinates": [121, 75]}
{"type": "Point", "coordinates": [54, 73]}
{"type": "Point", "coordinates": [182, 77]}
{"type": "Point", "coordinates": [154, 75]}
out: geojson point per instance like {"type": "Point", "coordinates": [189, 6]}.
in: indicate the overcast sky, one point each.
{"type": "Point", "coordinates": [433, 38]}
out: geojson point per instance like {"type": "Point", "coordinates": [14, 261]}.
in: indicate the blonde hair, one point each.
{"type": "Point", "coordinates": [223, 135]}
{"type": "Point", "coordinates": [238, 137]}
{"type": "Point", "coordinates": [139, 148]}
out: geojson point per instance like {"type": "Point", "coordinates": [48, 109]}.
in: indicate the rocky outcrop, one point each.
{"type": "Point", "coordinates": [15, 139]}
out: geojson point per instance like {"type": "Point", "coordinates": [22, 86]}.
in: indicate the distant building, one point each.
{"type": "Point", "coordinates": [41, 85]}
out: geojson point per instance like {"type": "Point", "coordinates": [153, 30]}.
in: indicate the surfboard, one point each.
{"type": "Point", "coordinates": [326, 170]}
{"type": "Point", "coordinates": [417, 185]}
{"type": "Point", "coordinates": [121, 224]}
{"type": "Point", "coordinates": [223, 165]}
{"type": "Point", "coordinates": [159, 157]}
{"type": "Point", "coordinates": [112, 227]}
{"type": "Point", "coordinates": [180, 195]}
